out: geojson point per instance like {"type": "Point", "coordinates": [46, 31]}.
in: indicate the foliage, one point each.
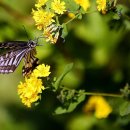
{"type": "Point", "coordinates": [86, 47]}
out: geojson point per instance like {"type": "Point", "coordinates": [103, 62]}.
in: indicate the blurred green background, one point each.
{"type": "Point", "coordinates": [100, 49]}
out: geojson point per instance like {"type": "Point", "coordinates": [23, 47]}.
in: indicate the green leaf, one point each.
{"type": "Point", "coordinates": [64, 31]}
{"type": "Point", "coordinates": [125, 108]}
{"type": "Point", "coordinates": [72, 106]}
{"type": "Point", "coordinates": [71, 5]}
{"type": "Point", "coordinates": [126, 92]}
{"type": "Point", "coordinates": [79, 16]}
{"type": "Point", "coordinates": [67, 69]}
{"type": "Point", "coordinates": [116, 16]}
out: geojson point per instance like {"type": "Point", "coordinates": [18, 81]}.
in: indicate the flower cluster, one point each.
{"type": "Point", "coordinates": [45, 16]}
{"type": "Point", "coordinates": [85, 4]}
{"type": "Point", "coordinates": [31, 89]}
{"type": "Point", "coordinates": [101, 6]}
{"type": "Point", "coordinates": [58, 7]}
{"type": "Point", "coordinates": [99, 105]}
{"type": "Point", "coordinates": [42, 18]}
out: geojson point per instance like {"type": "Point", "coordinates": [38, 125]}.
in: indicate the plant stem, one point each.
{"type": "Point", "coordinates": [14, 13]}
{"type": "Point", "coordinates": [115, 2]}
{"type": "Point", "coordinates": [57, 21]}
{"type": "Point", "coordinates": [103, 94]}
{"type": "Point", "coordinates": [78, 15]}
{"type": "Point", "coordinates": [126, 17]}
{"type": "Point", "coordinates": [99, 94]}
{"type": "Point", "coordinates": [71, 19]}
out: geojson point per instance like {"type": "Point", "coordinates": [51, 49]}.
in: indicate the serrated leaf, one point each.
{"type": "Point", "coordinates": [72, 106]}
{"type": "Point", "coordinates": [116, 17]}
{"type": "Point", "coordinates": [125, 108]}
{"type": "Point", "coordinates": [67, 69]}
{"type": "Point", "coordinates": [48, 3]}
{"type": "Point", "coordinates": [79, 16]}
{"type": "Point", "coordinates": [64, 31]}
{"type": "Point", "coordinates": [71, 5]}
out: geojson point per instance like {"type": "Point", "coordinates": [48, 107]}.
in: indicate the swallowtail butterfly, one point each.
{"type": "Point", "coordinates": [11, 53]}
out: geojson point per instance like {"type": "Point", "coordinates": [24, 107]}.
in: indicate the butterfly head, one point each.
{"type": "Point", "coordinates": [32, 44]}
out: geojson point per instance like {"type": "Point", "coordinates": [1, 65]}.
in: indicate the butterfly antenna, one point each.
{"type": "Point", "coordinates": [26, 32]}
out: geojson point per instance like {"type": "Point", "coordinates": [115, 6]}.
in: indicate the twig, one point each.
{"type": "Point", "coordinates": [15, 13]}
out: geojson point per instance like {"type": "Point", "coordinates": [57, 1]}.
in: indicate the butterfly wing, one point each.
{"type": "Point", "coordinates": [13, 52]}
{"type": "Point", "coordinates": [13, 45]}
{"type": "Point", "coordinates": [10, 60]}
{"type": "Point", "coordinates": [30, 62]}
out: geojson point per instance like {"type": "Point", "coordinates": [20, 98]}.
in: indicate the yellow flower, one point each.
{"type": "Point", "coordinates": [41, 71]}
{"type": "Point", "coordinates": [101, 5]}
{"type": "Point", "coordinates": [40, 3]}
{"type": "Point", "coordinates": [29, 90]}
{"type": "Point", "coordinates": [85, 4]}
{"type": "Point", "coordinates": [42, 18]}
{"type": "Point", "coordinates": [58, 7]}
{"type": "Point", "coordinates": [99, 104]}
{"type": "Point", "coordinates": [71, 15]}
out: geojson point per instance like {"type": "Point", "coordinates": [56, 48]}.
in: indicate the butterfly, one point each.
{"type": "Point", "coordinates": [13, 52]}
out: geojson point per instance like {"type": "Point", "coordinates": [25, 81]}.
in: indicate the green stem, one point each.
{"type": "Point", "coordinates": [99, 94]}
{"type": "Point", "coordinates": [14, 13]}
{"type": "Point", "coordinates": [103, 94]}
{"type": "Point", "coordinates": [115, 2]}
{"type": "Point", "coordinates": [78, 15]}
{"type": "Point", "coordinates": [72, 19]}
{"type": "Point", "coordinates": [126, 17]}
{"type": "Point", "coordinates": [57, 20]}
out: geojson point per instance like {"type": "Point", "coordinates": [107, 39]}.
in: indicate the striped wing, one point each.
{"type": "Point", "coordinates": [10, 60]}
{"type": "Point", "coordinates": [13, 45]}
{"type": "Point", "coordinates": [30, 62]}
